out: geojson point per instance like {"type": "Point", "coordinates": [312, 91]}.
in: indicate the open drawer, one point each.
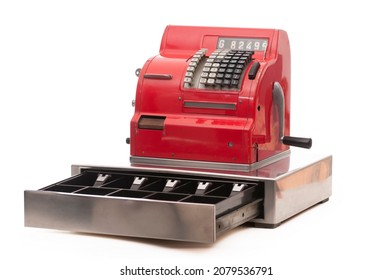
{"type": "Point", "coordinates": [145, 203]}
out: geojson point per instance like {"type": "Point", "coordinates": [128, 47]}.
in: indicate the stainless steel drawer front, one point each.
{"type": "Point", "coordinates": [163, 206]}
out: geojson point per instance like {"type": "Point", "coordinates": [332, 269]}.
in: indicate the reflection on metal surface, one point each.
{"type": "Point", "coordinates": [317, 172]}
{"type": "Point", "coordinates": [294, 192]}
{"type": "Point", "coordinates": [121, 216]}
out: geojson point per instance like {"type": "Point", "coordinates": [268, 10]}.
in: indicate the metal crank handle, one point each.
{"type": "Point", "coordinates": [278, 99]}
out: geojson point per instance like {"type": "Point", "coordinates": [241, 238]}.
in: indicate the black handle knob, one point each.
{"type": "Point", "coordinates": [253, 70]}
{"type": "Point", "coordinates": [297, 141]}
{"type": "Point", "coordinates": [128, 140]}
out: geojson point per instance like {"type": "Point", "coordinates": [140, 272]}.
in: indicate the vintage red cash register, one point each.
{"type": "Point", "coordinates": [216, 97]}
{"type": "Point", "coordinates": [209, 146]}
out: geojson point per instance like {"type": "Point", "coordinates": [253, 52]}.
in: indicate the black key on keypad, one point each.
{"type": "Point", "coordinates": [226, 82]}
{"type": "Point", "coordinates": [218, 82]}
{"type": "Point", "coordinates": [246, 59]}
{"type": "Point", "coordinates": [234, 82]}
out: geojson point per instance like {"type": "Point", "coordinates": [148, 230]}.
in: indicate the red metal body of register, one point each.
{"type": "Point", "coordinates": [208, 96]}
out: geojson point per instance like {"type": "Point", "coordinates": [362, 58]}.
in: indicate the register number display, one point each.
{"type": "Point", "coordinates": [252, 44]}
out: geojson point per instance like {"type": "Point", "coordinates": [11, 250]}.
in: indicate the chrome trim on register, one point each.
{"type": "Point", "coordinates": [208, 164]}
{"type": "Point", "coordinates": [209, 105]}
{"type": "Point", "coordinates": [158, 76]}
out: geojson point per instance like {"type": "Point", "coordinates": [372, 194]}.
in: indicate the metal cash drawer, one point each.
{"type": "Point", "coordinates": [142, 203]}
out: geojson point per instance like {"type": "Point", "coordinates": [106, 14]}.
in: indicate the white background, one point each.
{"type": "Point", "coordinates": [66, 85]}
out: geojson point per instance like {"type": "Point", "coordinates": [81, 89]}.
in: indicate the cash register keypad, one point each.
{"type": "Point", "coordinates": [224, 68]}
